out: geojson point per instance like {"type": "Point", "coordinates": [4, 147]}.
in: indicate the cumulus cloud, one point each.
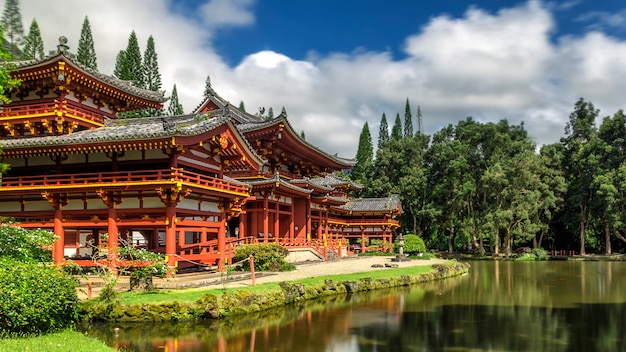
{"type": "Point", "coordinates": [489, 65]}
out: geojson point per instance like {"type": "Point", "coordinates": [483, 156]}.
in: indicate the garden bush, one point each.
{"type": "Point", "coordinates": [35, 298]}
{"type": "Point", "coordinates": [267, 256]}
{"type": "Point", "coordinates": [413, 245]}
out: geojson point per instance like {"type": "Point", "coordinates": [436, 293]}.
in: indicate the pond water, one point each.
{"type": "Point", "coordinates": [498, 306]}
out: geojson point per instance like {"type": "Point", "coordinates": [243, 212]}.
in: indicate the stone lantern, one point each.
{"type": "Point", "coordinates": [400, 257]}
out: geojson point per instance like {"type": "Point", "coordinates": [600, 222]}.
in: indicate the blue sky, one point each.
{"type": "Point", "coordinates": [335, 65]}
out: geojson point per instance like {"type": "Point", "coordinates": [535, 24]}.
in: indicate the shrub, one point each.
{"type": "Point", "coordinates": [35, 298]}
{"type": "Point", "coordinates": [25, 245]}
{"type": "Point", "coordinates": [413, 245]}
{"type": "Point", "coordinates": [267, 256]}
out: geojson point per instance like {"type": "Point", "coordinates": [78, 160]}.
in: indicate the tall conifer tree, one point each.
{"type": "Point", "coordinates": [12, 26]}
{"type": "Point", "coordinates": [128, 65]}
{"type": "Point", "coordinates": [270, 113]}
{"type": "Point", "coordinates": [86, 51]}
{"type": "Point", "coordinates": [33, 44]}
{"type": "Point", "coordinates": [383, 132]}
{"type": "Point", "coordinates": [364, 155]}
{"type": "Point", "coordinates": [418, 115]}
{"type": "Point", "coordinates": [242, 106]}
{"type": "Point", "coordinates": [396, 130]}
{"type": "Point", "coordinates": [408, 120]}
{"type": "Point", "coordinates": [152, 77]}
{"type": "Point", "coordinates": [175, 108]}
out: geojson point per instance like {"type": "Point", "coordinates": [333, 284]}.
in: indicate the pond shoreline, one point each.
{"type": "Point", "coordinates": [241, 300]}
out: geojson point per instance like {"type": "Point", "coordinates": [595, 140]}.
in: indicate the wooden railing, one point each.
{"type": "Point", "coordinates": [50, 108]}
{"type": "Point", "coordinates": [120, 177]}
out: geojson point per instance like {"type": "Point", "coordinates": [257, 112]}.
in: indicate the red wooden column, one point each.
{"type": "Point", "coordinates": [113, 237]}
{"type": "Point", "coordinates": [266, 223]}
{"type": "Point", "coordinates": [57, 201]}
{"type": "Point", "coordinates": [242, 225]}
{"type": "Point", "coordinates": [362, 238]}
{"type": "Point", "coordinates": [170, 235]}
{"type": "Point", "coordinates": [221, 244]}
{"type": "Point", "coordinates": [59, 246]}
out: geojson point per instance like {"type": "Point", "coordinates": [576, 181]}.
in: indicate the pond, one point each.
{"type": "Point", "coordinates": [498, 306]}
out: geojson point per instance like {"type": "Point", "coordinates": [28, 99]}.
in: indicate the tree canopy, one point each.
{"type": "Point", "coordinates": [86, 51]}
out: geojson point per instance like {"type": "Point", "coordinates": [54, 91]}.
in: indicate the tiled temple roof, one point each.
{"type": "Point", "coordinates": [124, 130]}
{"type": "Point", "coordinates": [334, 181]}
{"type": "Point", "coordinates": [126, 86]}
{"type": "Point", "coordinates": [278, 181]}
{"type": "Point", "coordinates": [388, 204]}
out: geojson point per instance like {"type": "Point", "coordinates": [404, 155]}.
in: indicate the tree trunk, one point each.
{"type": "Point", "coordinates": [451, 240]}
{"type": "Point", "coordinates": [507, 242]}
{"type": "Point", "coordinates": [607, 236]}
{"type": "Point", "coordinates": [496, 243]}
{"type": "Point", "coordinates": [582, 237]}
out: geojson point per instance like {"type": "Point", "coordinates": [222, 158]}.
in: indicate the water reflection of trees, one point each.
{"type": "Point", "coordinates": [500, 306]}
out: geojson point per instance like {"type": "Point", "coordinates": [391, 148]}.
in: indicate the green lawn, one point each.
{"type": "Point", "coordinates": [191, 295]}
{"type": "Point", "coordinates": [66, 341]}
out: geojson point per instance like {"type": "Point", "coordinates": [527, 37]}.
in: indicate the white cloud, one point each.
{"type": "Point", "coordinates": [487, 65]}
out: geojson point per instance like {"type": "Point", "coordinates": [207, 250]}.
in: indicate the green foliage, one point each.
{"type": "Point", "coordinates": [175, 107]}
{"type": "Point", "coordinates": [86, 50]}
{"type": "Point", "coordinates": [29, 246]}
{"type": "Point", "coordinates": [242, 106]}
{"type": "Point", "coordinates": [152, 76]}
{"type": "Point", "coordinates": [142, 263]}
{"type": "Point", "coordinates": [396, 130]}
{"type": "Point", "coordinates": [413, 244]}
{"type": "Point", "coordinates": [408, 120]}
{"type": "Point", "coordinates": [12, 26]}
{"type": "Point", "coordinates": [267, 256]}
{"type": "Point", "coordinates": [383, 132]}
{"type": "Point", "coordinates": [35, 298]}
{"type": "Point", "coordinates": [128, 64]}
{"type": "Point", "coordinates": [364, 155]}
{"type": "Point", "coordinates": [33, 44]}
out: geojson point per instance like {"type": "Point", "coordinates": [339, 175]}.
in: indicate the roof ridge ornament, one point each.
{"type": "Point", "coordinates": [62, 48]}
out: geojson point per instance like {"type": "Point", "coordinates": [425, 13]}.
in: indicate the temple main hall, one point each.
{"type": "Point", "coordinates": [193, 187]}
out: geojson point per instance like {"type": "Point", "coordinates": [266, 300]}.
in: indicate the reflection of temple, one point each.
{"type": "Point", "coordinates": [193, 187]}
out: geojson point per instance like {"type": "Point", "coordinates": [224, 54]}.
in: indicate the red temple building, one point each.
{"type": "Point", "coordinates": [192, 187]}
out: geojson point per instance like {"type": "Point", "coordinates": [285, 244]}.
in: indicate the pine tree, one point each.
{"type": "Point", "coordinates": [396, 130]}
{"type": "Point", "coordinates": [175, 108]}
{"type": "Point", "coordinates": [152, 77]}
{"type": "Point", "coordinates": [120, 65]}
{"type": "Point", "coordinates": [270, 113]}
{"type": "Point", "coordinates": [364, 155]}
{"type": "Point", "coordinates": [86, 51]}
{"type": "Point", "coordinates": [208, 90]}
{"type": "Point", "coordinates": [33, 44]}
{"type": "Point", "coordinates": [383, 132]}
{"type": "Point", "coordinates": [302, 135]}
{"type": "Point", "coordinates": [128, 66]}
{"type": "Point", "coordinates": [418, 115]}
{"type": "Point", "coordinates": [242, 107]}
{"type": "Point", "coordinates": [12, 26]}
{"type": "Point", "coordinates": [283, 112]}
{"type": "Point", "coordinates": [7, 83]}
{"type": "Point", "coordinates": [408, 120]}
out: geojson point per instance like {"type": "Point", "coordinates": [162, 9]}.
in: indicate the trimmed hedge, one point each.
{"type": "Point", "coordinates": [35, 298]}
{"type": "Point", "coordinates": [267, 256]}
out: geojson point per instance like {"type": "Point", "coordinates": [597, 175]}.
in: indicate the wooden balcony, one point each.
{"type": "Point", "coordinates": [21, 113]}
{"type": "Point", "coordinates": [144, 179]}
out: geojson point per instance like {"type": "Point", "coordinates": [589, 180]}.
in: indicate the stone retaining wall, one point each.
{"type": "Point", "coordinates": [212, 306]}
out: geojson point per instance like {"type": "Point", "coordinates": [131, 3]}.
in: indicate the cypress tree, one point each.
{"type": "Point", "coordinates": [396, 130]}
{"type": "Point", "coordinates": [408, 120]}
{"type": "Point", "coordinates": [33, 44]}
{"type": "Point", "coordinates": [419, 120]}
{"type": "Point", "coordinates": [175, 108]}
{"type": "Point", "coordinates": [364, 155]}
{"type": "Point", "coordinates": [86, 51]}
{"type": "Point", "coordinates": [12, 26]}
{"type": "Point", "coordinates": [128, 66]}
{"type": "Point", "coordinates": [270, 113]}
{"type": "Point", "coordinates": [383, 132]}
{"type": "Point", "coordinates": [283, 112]}
{"type": "Point", "coordinates": [152, 77]}
{"type": "Point", "coordinates": [302, 135]}
{"type": "Point", "coordinates": [242, 107]}
{"type": "Point", "coordinates": [120, 65]}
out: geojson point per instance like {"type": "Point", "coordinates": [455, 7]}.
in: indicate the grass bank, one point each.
{"type": "Point", "coordinates": [194, 304]}
{"type": "Point", "coordinates": [61, 341]}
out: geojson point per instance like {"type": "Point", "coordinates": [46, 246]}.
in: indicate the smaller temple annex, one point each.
{"type": "Point", "coordinates": [193, 187]}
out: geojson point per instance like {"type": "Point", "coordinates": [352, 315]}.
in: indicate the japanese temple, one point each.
{"type": "Point", "coordinates": [192, 187]}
